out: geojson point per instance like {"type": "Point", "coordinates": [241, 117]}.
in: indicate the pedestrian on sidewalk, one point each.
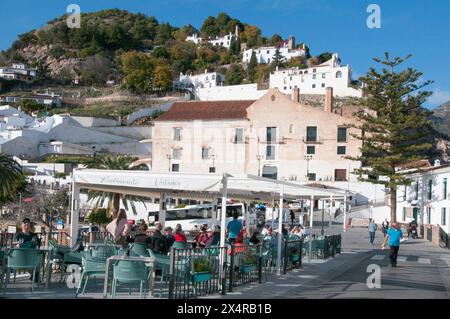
{"type": "Point", "coordinates": [393, 237]}
{"type": "Point", "coordinates": [372, 229]}
{"type": "Point", "coordinates": [385, 226]}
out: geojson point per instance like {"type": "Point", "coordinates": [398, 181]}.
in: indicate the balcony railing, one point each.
{"type": "Point", "coordinates": [278, 140]}
{"type": "Point", "coordinates": [309, 140]}
{"type": "Point", "coordinates": [243, 141]}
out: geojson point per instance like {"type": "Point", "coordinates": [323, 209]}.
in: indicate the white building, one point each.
{"type": "Point", "coordinates": [45, 99]}
{"type": "Point", "coordinates": [314, 80]}
{"type": "Point", "coordinates": [224, 41]}
{"type": "Point", "coordinates": [427, 199]}
{"type": "Point", "coordinates": [194, 38]}
{"type": "Point", "coordinates": [18, 71]}
{"type": "Point", "coordinates": [12, 118]}
{"type": "Point", "coordinates": [63, 134]}
{"type": "Point", "coordinates": [230, 92]}
{"type": "Point", "coordinates": [267, 54]}
{"type": "Point", "coordinates": [203, 80]}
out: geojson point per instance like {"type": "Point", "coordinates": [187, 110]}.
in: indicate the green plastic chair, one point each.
{"type": "Point", "coordinates": [126, 271]}
{"type": "Point", "coordinates": [69, 258]}
{"type": "Point", "coordinates": [91, 266]}
{"type": "Point", "coordinates": [139, 250]}
{"type": "Point", "coordinates": [104, 251]}
{"type": "Point", "coordinates": [23, 258]}
{"type": "Point", "coordinates": [180, 245]}
{"type": "Point", "coordinates": [162, 263]}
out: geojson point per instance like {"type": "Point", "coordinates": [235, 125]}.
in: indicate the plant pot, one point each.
{"type": "Point", "coordinates": [201, 276]}
{"type": "Point", "coordinates": [247, 268]}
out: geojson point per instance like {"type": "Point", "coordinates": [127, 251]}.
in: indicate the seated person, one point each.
{"type": "Point", "coordinates": [158, 242]}
{"type": "Point", "coordinates": [25, 238]}
{"type": "Point", "coordinates": [179, 234]}
{"type": "Point", "coordinates": [202, 237]}
{"type": "Point", "coordinates": [142, 237]}
{"type": "Point", "coordinates": [213, 238]}
{"type": "Point", "coordinates": [255, 238]}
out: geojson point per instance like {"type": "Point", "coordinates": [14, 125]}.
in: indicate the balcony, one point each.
{"type": "Point", "coordinates": [278, 140]}
{"type": "Point", "coordinates": [308, 140]}
{"type": "Point", "coordinates": [235, 141]}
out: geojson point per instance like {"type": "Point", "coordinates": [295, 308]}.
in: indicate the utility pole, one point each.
{"type": "Point", "coordinates": [307, 159]}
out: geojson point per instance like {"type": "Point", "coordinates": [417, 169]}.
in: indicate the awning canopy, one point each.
{"type": "Point", "coordinates": [195, 186]}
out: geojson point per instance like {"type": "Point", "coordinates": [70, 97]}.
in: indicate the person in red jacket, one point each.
{"type": "Point", "coordinates": [179, 234]}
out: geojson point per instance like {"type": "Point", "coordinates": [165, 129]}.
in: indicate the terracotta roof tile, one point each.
{"type": "Point", "coordinates": [206, 110]}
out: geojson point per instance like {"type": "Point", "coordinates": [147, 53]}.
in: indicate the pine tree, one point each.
{"type": "Point", "coordinates": [278, 59]}
{"type": "Point", "coordinates": [251, 68]}
{"type": "Point", "coordinates": [393, 124]}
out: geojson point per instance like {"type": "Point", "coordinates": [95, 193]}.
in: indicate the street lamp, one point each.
{"type": "Point", "coordinates": [213, 157]}
{"type": "Point", "coordinates": [259, 158]}
{"type": "Point", "coordinates": [169, 157]}
{"type": "Point", "coordinates": [323, 208]}
{"type": "Point", "coordinates": [307, 158]}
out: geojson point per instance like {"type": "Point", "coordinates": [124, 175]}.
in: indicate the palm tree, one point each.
{"type": "Point", "coordinates": [119, 162]}
{"type": "Point", "coordinates": [10, 176]}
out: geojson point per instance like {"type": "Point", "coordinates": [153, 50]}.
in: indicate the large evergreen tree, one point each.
{"type": "Point", "coordinates": [394, 126]}
{"type": "Point", "coordinates": [251, 68]}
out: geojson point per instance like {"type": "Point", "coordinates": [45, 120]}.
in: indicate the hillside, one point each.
{"type": "Point", "coordinates": [441, 118]}
{"type": "Point", "coordinates": [111, 41]}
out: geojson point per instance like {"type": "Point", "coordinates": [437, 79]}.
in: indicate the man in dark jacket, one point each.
{"type": "Point", "coordinates": [158, 242]}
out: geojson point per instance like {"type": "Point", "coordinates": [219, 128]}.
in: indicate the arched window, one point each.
{"type": "Point", "coordinates": [338, 74]}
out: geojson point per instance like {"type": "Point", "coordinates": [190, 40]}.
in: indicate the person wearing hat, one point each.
{"type": "Point", "coordinates": [213, 238]}
{"type": "Point", "coordinates": [202, 237]}
{"type": "Point", "coordinates": [25, 238]}
{"type": "Point", "coordinates": [169, 237]}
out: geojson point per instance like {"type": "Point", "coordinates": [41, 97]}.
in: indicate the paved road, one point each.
{"type": "Point", "coordinates": [422, 272]}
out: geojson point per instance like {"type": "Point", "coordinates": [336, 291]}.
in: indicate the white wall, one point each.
{"type": "Point", "coordinates": [232, 92]}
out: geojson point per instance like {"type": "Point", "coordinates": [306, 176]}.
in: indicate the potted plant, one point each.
{"type": "Point", "coordinates": [248, 263]}
{"type": "Point", "coordinates": [201, 270]}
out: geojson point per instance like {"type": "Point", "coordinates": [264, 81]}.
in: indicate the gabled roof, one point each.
{"type": "Point", "coordinates": [206, 110]}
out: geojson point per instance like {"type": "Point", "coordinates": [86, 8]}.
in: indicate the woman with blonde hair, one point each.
{"type": "Point", "coordinates": [119, 228]}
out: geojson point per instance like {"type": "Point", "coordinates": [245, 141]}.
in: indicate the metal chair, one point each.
{"type": "Point", "coordinates": [139, 250]}
{"type": "Point", "coordinates": [162, 263]}
{"type": "Point", "coordinates": [91, 266]}
{"type": "Point", "coordinates": [126, 271]}
{"type": "Point", "coordinates": [23, 258]}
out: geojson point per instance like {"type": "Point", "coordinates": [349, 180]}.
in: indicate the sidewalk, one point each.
{"type": "Point", "coordinates": [423, 272]}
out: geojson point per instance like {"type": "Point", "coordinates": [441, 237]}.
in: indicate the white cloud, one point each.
{"type": "Point", "coordinates": [439, 97]}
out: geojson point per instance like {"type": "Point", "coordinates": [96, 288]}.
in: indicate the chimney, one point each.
{"type": "Point", "coordinates": [329, 100]}
{"type": "Point", "coordinates": [437, 163]}
{"type": "Point", "coordinates": [291, 43]}
{"type": "Point", "coordinates": [295, 94]}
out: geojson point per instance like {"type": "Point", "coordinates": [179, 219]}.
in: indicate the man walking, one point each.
{"type": "Point", "coordinates": [372, 229]}
{"type": "Point", "coordinates": [393, 237]}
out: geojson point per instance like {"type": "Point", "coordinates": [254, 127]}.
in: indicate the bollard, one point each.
{"type": "Point", "coordinates": [230, 289]}
{"type": "Point", "coordinates": [260, 263]}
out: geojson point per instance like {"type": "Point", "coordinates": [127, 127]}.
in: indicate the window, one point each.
{"type": "Point", "coordinates": [212, 169]}
{"type": "Point", "coordinates": [338, 74]}
{"type": "Point", "coordinates": [310, 150]}
{"type": "Point", "coordinates": [175, 167]}
{"type": "Point", "coordinates": [206, 152]}
{"type": "Point", "coordinates": [311, 176]}
{"type": "Point", "coordinates": [314, 76]}
{"type": "Point", "coordinates": [271, 134]}
{"type": "Point", "coordinates": [176, 153]}
{"type": "Point", "coordinates": [270, 152]}
{"type": "Point", "coordinates": [342, 134]}
{"type": "Point", "coordinates": [443, 216]}
{"type": "Point", "coordinates": [284, 88]}
{"type": "Point", "coordinates": [323, 85]}
{"type": "Point", "coordinates": [428, 215]}
{"type": "Point", "coordinates": [313, 86]}
{"type": "Point", "coordinates": [268, 51]}
{"type": "Point", "coordinates": [340, 175]}
{"type": "Point", "coordinates": [341, 150]}
{"type": "Point", "coordinates": [311, 134]}
{"type": "Point", "coordinates": [270, 172]}
{"type": "Point", "coordinates": [404, 214]}
{"type": "Point", "coordinates": [177, 134]}
{"type": "Point", "coordinates": [239, 135]}
{"type": "Point", "coordinates": [430, 189]}
{"type": "Point", "coordinates": [324, 75]}
{"type": "Point", "coordinates": [444, 189]}
{"type": "Point", "coordinates": [314, 70]}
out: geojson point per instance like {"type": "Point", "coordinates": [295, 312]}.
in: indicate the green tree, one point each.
{"type": "Point", "coordinates": [10, 175]}
{"type": "Point", "coordinates": [162, 78]}
{"type": "Point", "coordinates": [30, 106]}
{"type": "Point", "coordinates": [234, 75]}
{"type": "Point", "coordinates": [394, 126]}
{"type": "Point", "coordinates": [121, 162]}
{"type": "Point", "coordinates": [138, 70]}
{"type": "Point", "coordinates": [251, 68]}
{"type": "Point", "coordinates": [278, 59]}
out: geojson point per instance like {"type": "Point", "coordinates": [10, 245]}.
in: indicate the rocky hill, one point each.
{"type": "Point", "coordinates": [441, 118]}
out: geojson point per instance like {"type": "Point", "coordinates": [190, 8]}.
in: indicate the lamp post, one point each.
{"type": "Point", "coordinates": [307, 158]}
{"type": "Point", "coordinates": [169, 157]}
{"type": "Point", "coordinates": [323, 208]}
{"type": "Point", "coordinates": [259, 158]}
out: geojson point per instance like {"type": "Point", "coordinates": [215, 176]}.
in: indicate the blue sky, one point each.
{"type": "Point", "coordinates": [419, 27]}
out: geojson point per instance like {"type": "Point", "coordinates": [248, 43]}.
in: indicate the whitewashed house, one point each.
{"type": "Point", "coordinates": [196, 81]}
{"type": "Point", "coordinates": [266, 54]}
{"type": "Point", "coordinates": [18, 71]}
{"type": "Point", "coordinates": [316, 79]}
{"type": "Point", "coordinates": [427, 199]}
